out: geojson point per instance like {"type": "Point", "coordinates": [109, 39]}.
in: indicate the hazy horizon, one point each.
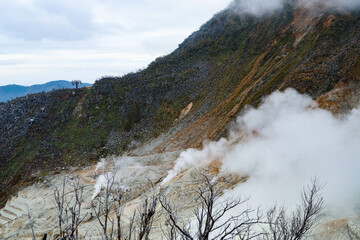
{"type": "Point", "coordinates": [86, 40]}
{"type": "Point", "coordinates": [29, 85]}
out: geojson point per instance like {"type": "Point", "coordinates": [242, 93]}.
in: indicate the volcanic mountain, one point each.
{"type": "Point", "coordinates": [179, 100]}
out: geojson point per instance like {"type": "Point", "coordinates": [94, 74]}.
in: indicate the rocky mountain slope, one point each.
{"type": "Point", "coordinates": [233, 60]}
{"type": "Point", "coordinates": [10, 92]}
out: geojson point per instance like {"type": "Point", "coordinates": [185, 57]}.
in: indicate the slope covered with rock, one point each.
{"type": "Point", "coordinates": [232, 61]}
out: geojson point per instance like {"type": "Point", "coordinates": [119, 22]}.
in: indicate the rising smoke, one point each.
{"type": "Point", "coordinates": [259, 7]}
{"type": "Point", "coordinates": [282, 145]}
{"type": "Point", "coordinates": [256, 7]}
{"type": "Point", "coordinates": [124, 171]}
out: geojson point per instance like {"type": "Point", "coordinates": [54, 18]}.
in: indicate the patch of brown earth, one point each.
{"type": "Point", "coordinates": [328, 21]}
{"type": "Point", "coordinates": [341, 100]}
{"type": "Point", "coordinates": [304, 19]}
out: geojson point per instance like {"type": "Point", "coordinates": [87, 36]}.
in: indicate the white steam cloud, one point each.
{"type": "Point", "coordinates": [101, 165]}
{"type": "Point", "coordinates": [347, 4]}
{"type": "Point", "coordinates": [194, 157]}
{"type": "Point", "coordinates": [123, 172]}
{"type": "Point", "coordinates": [282, 145]}
{"type": "Point", "coordinates": [259, 7]}
{"type": "Point", "coordinates": [102, 182]}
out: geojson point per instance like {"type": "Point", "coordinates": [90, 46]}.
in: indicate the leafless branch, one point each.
{"type": "Point", "coordinates": [147, 212]}
{"type": "Point", "coordinates": [298, 225]}
{"type": "Point", "coordinates": [31, 225]}
{"type": "Point", "coordinates": [69, 208]}
{"type": "Point", "coordinates": [213, 215]}
{"type": "Point", "coordinates": [349, 235]}
{"type": "Point", "coordinates": [101, 207]}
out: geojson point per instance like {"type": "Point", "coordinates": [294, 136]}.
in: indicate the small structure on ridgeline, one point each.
{"type": "Point", "coordinates": [76, 83]}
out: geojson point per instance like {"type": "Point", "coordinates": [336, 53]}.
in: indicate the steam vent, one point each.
{"type": "Point", "coordinates": [247, 129]}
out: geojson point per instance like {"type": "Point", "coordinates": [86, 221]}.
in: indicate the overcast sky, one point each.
{"type": "Point", "coordinates": [45, 40]}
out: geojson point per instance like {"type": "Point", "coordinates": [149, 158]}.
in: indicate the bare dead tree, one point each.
{"type": "Point", "coordinates": [131, 226]}
{"type": "Point", "coordinates": [215, 217]}
{"type": "Point", "coordinates": [108, 209]}
{"type": "Point", "coordinates": [74, 209]}
{"type": "Point", "coordinates": [59, 198]}
{"type": "Point", "coordinates": [120, 204]}
{"type": "Point", "coordinates": [31, 225]}
{"type": "Point", "coordinates": [211, 215]}
{"type": "Point", "coordinates": [69, 209]}
{"type": "Point", "coordinates": [101, 207]}
{"type": "Point", "coordinates": [302, 220]}
{"type": "Point", "coordinates": [169, 232]}
{"type": "Point", "coordinates": [119, 211]}
{"type": "Point", "coordinates": [147, 212]}
{"type": "Point", "coordinates": [68, 206]}
{"type": "Point", "coordinates": [114, 200]}
{"type": "Point", "coordinates": [349, 235]}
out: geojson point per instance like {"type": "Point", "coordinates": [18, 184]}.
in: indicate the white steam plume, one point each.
{"type": "Point", "coordinates": [194, 157]}
{"type": "Point", "coordinates": [100, 165]}
{"type": "Point", "coordinates": [256, 7]}
{"type": "Point", "coordinates": [260, 7]}
{"type": "Point", "coordinates": [347, 4]}
{"type": "Point", "coordinates": [123, 172]}
{"type": "Point", "coordinates": [101, 182]}
{"type": "Point", "coordinates": [289, 141]}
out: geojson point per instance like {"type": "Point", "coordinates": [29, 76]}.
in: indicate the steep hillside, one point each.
{"type": "Point", "coordinates": [233, 60]}
{"type": "Point", "coordinates": [10, 92]}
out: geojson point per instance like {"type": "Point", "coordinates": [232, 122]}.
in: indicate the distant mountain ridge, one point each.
{"type": "Point", "coordinates": [13, 91]}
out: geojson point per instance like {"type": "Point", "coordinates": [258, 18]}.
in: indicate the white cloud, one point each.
{"type": "Point", "coordinates": [135, 31]}
{"type": "Point", "coordinates": [87, 65]}
{"type": "Point", "coordinates": [44, 19]}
